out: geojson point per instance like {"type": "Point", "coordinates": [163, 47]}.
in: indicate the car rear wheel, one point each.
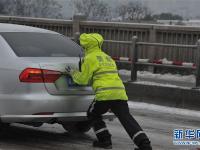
{"type": "Point", "coordinates": [81, 127]}
{"type": "Point", "coordinates": [3, 127]}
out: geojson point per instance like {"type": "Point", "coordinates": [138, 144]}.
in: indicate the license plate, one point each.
{"type": "Point", "coordinates": [70, 82]}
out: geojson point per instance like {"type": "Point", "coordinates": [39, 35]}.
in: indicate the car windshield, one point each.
{"type": "Point", "coordinates": [29, 44]}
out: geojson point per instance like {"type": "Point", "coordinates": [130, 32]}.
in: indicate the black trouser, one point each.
{"type": "Point", "coordinates": [121, 110]}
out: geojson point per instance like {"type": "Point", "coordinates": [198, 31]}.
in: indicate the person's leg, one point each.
{"type": "Point", "coordinates": [95, 112]}
{"type": "Point", "coordinates": [121, 110]}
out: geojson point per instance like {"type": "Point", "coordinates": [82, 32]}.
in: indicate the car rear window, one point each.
{"type": "Point", "coordinates": [29, 44]}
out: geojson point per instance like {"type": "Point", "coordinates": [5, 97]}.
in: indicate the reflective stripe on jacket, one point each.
{"type": "Point", "coordinates": [99, 70]}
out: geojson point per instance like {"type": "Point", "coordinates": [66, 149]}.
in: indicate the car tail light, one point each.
{"type": "Point", "coordinates": [50, 76]}
{"type": "Point", "coordinates": [35, 75]}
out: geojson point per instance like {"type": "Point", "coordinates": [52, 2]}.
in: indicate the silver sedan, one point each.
{"type": "Point", "coordinates": [34, 88]}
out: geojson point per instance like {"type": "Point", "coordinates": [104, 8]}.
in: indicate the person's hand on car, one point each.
{"type": "Point", "coordinates": [68, 69]}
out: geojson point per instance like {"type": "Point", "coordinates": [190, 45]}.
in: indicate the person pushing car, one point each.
{"type": "Point", "coordinates": [99, 70]}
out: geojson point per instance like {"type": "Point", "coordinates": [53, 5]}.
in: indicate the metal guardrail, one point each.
{"type": "Point", "coordinates": [119, 42]}
{"type": "Point", "coordinates": [135, 63]}
{"type": "Point", "coordinates": [167, 45]}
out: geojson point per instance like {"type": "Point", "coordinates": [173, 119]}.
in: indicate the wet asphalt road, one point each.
{"type": "Point", "coordinates": [159, 127]}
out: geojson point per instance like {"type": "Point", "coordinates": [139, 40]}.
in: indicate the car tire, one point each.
{"type": "Point", "coordinates": [3, 127]}
{"type": "Point", "coordinates": [80, 127]}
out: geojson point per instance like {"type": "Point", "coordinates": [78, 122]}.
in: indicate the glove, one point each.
{"type": "Point", "coordinates": [68, 69]}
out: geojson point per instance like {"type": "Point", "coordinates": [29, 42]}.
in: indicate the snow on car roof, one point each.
{"type": "Point", "coordinates": [5, 27]}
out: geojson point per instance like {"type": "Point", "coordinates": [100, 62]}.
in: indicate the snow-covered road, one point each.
{"type": "Point", "coordinates": [158, 121]}
{"type": "Point", "coordinates": [168, 79]}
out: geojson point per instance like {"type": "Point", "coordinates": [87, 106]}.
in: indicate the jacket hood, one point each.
{"type": "Point", "coordinates": [91, 42]}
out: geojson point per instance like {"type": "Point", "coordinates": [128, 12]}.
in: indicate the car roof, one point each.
{"type": "Point", "coordinates": [5, 27]}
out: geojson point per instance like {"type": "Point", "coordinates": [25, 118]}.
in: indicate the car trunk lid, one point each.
{"type": "Point", "coordinates": [64, 85]}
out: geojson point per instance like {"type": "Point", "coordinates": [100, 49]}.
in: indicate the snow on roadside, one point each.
{"type": "Point", "coordinates": [168, 76]}
{"type": "Point", "coordinates": [161, 84]}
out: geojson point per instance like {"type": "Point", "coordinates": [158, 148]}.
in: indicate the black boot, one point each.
{"type": "Point", "coordinates": [145, 145]}
{"type": "Point", "coordinates": [103, 144]}
{"type": "Point", "coordinates": [143, 148]}
{"type": "Point", "coordinates": [142, 142]}
{"type": "Point", "coordinates": [147, 148]}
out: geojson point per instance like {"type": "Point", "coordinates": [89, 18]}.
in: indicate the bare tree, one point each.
{"type": "Point", "coordinates": [132, 11]}
{"type": "Point", "coordinates": [122, 11]}
{"type": "Point", "coordinates": [93, 9]}
{"type": "Point", "coordinates": [32, 8]}
{"type": "Point", "coordinates": [3, 4]}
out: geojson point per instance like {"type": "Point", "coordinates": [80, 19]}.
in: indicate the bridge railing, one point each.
{"type": "Point", "coordinates": [136, 61]}
{"type": "Point", "coordinates": [64, 27]}
{"type": "Point", "coordinates": [124, 32]}
{"type": "Point", "coordinates": [146, 33]}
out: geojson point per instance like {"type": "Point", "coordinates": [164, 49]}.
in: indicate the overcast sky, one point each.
{"type": "Point", "coordinates": [186, 8]}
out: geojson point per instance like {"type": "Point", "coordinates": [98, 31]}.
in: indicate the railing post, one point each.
{"type": "Point", "coordinates": [76, 23]}
{"type": "Point", "coordinates": [151, 49]}
{"type": "Point", "coordinates": [76, 37]}
{"type": "Point", "coordinates": [134, 58]}
{"type": "Point", "coordinates": [152, 39]}
{"type": "Point", "coordinates": [198, 65]}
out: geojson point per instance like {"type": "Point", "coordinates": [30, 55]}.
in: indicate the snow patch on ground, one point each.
{"type": "Point", "coordinates": [168, 76]}
{"type": "Point", "coordinates": [167, 80]}
{"type": "Point", "coordinates": [164, 109]}
{"type": "Point", "coordinates": [160, 84]}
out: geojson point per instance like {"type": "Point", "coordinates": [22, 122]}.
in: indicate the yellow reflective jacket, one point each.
{"type": "Point", "coordinates": [99, 70]}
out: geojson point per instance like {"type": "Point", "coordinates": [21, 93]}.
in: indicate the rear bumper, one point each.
{"type": "Point", "coordinates": [34, 103]}
{"type": "Point", "coordinates": [55, 118]}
